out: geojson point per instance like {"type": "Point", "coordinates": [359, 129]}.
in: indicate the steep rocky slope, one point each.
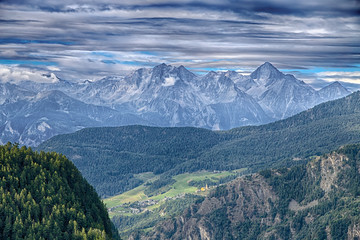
{"type": "Point", "coordinates": [319, 200]}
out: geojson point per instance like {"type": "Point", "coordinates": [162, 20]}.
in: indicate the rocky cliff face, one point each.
{"type": "Point", "coordinates": [314, 201]}
{"type": "Point", "coordinates": [239, 201]}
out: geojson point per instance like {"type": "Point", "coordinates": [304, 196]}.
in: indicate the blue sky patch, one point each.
{"type": "Point", "coordinates": [26, 62]}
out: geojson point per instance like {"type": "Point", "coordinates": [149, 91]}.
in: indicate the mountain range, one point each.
{"type": "Point", "coordinates": [110, 158]}
{"type": "Point", "coordinates": [165, 95]}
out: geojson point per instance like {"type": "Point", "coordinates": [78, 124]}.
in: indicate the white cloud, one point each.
{"type": "Point", "coordinates": [53, 69]}
{"type": "Point", "coordinates": [15, 74]}
{"type": "Point", "coordinates": [207, 34]}
{"type": "Point", "coordinates": [337, 73]}
{"type": "Point", "coordinates": [347, 77]}
{"type": "Point", "coordinates": [169, 81]}
{"type": "Point", "coordinates": [342, 79]}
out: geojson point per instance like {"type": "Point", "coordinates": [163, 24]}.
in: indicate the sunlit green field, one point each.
{"type": "Point", "coordinates": [120, 204]}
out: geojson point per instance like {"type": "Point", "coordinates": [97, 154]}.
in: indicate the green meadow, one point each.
{"type": "Point", "coordinates": [123, 203]}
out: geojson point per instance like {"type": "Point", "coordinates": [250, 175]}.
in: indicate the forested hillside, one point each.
{"type": "Point", "coordinates": [109, 157]}
{"type": "Point", "coordinates": [318, 200]}
{"type": "Point", "coordinates": [44, 196]}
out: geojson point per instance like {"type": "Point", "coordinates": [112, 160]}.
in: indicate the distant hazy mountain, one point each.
{"type": "Point", "coordinates": [173, 96]}
{"type": "Point", "coordinates": [11, 93]}
{"type": "Point", "coordinates": [30, 118]}
{"type": "Point", "coordinates": [162, 96]}
{"type": "Point", "coordinates": [333, 91]}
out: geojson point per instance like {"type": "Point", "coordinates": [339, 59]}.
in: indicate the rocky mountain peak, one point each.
{"type": "Point", "coordinates": [333, 91]}
{"type": "Point", "coordinates": [231, 74]}
{"type": "Point", "coordinates": [185, 73]}
{"type": "Point", "coordinates": [219, 79]}
{"type": "Point", "coordinates": [337, 85]}
{"type": "Point", "coordinates": [168, 75]}
{"type": "Point", "coordinates": [266, 72]}
{"type": "Point", "coordinates": [211, 73]}
{"type": "Point", "coordinates": [162, 68]}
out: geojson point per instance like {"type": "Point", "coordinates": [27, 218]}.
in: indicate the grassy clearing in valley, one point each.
{"type": "Point", "coordinates": [123, 204]}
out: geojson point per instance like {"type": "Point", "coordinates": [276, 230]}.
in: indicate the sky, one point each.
{"type": "Point", "coordinates": [317, 41]}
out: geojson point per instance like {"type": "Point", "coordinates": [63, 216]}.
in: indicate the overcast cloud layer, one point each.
{"type": "Point", "coordinates": [317, 41]}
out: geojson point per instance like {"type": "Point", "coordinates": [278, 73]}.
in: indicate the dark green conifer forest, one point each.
{"type": "Point", "coordinates": [44, 196]}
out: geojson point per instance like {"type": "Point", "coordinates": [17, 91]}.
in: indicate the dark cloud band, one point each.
{"type": "Point", "coordinates": [214, 33]}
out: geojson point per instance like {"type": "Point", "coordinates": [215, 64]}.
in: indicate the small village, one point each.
{"type": "Point", "coordinates": [142, 206]}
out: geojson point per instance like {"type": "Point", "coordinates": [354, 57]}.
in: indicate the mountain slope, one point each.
{"type": "Point", "coordinates": [113, 155]}
{"type": "Point", "coordinates": [315, 131]}
{"type": "Point", "coordinates": [135, 149]}
{"type": "Point", "coordinates": [43, 196]}
{"type": "Point", "coordinates": [232, 106]}
{"type": "Point", "coordinates": [319, 200]}
{"type": "Point", "coordinates": [281, 95]}
{"type": "Point", "coordinates": [333, 91]}
{"type": "Point", "coordinates": [11, 93]}
{"type": "Point", "coordinates": [30, 118]}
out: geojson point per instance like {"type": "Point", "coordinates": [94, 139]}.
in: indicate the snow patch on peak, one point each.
{"type": "Point", "coordinates": [43, 126]}
{"type": "Point", "coordinates": [169, 81]}
{"type": "Point", "coordinates": [8, 128]}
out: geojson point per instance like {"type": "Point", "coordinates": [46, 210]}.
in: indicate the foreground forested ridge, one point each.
{"type": "Point", "coordinates": [44, 196]}
{"type": "Point", "coordinates": [318, 200]}
{"type": "Point", "coordinates": [109, 158]}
